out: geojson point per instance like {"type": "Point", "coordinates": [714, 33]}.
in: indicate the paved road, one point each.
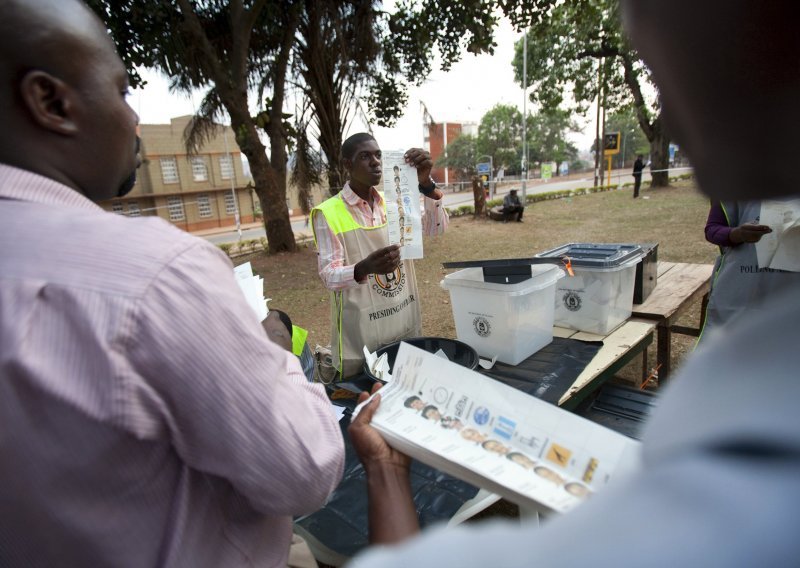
{"type": "Point", "coordinates": [450, 200]}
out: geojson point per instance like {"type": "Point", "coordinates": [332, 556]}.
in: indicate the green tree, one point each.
{"type": "Point", "coordinates": [336, 58]}
{"type": "Point", "coordinates": [633, 141]}
{"type": "Point", "coordinates": [224, 47]}
{"type": "Point", "coordinates": [461, 155]}
{"type": "Point", "coordinates": [568, 43]}
{"type": "Point", "coordinates": [500, 136]}
{"type": "Point", "coordinates": [546, 133]}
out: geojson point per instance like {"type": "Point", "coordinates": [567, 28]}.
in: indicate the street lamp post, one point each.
{"type": "Point", "coordinates": [524, 117]}
{"type": "Point", "coordinates": [236, 216]}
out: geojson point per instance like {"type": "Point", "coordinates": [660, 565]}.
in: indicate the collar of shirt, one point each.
{"type": "Point", "coordinates": [22, 185]}
{"type": "Point", "coordinates": [376, 213]}
{"type": "Point", "coordinates": [351, 198]}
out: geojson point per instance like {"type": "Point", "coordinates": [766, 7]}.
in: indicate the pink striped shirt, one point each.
{"type": "Point", "coordinates": [145, 419]}
{"type": "Point", "coordinates": [330, 248]}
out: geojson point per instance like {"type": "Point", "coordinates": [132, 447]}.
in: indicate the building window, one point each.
{"type": "Point", "coordinates": [169, 170]}
{"type": "Point", "coordinates": [226, 166]}
{"type": "Point", "coordinates": [230, 203]}
{"type": "Point", "coordinates": [199, 171]}
{"type": "Point", "coordinates": [133, 209]}
{"type": "Point", "coordinates": [117, 208]}
{"type": "Point", "coordinates": [175, 206]}
{"type": "Point", "coordinates": [203, 206]}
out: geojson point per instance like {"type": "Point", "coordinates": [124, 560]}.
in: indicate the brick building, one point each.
{"type": "Point", "coordinates": [434, 142]}
{"type": "Point", "coordinates": [193, 192]}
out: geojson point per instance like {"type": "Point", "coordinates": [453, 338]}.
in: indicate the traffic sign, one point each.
{"type": "Point", "coordinates": [611, 143]}
{"type": "Point", "coordinates": [484, 168]}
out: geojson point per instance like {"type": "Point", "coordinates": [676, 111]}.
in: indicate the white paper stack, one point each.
{"type": "Point", "coordinates": [252, 287]}
{"type": "Point", "coordinates": [495, 437]}
{"type": "Point", "coordinates": [780, 249]}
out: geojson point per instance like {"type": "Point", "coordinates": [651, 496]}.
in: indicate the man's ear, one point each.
{"type": "Point", "coordinates": [49, 101]}
{"type": "Point", "coordinates": [348, 164]}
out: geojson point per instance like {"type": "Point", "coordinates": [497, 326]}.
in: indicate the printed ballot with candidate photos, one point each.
{"type": "Point", "coordinates": [401, 195]}
{"type": "Point", "coordinates": [496, 437]}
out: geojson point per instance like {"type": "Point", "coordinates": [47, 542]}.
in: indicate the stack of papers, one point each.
{"type": "Point", "coordinates": [780, 249]}
{"type": "Point", "coordinates": [252, 287]}
{"type": "Point", "coordinates": [495, 437]}
{"type": "Point", "coordinates": [379, 366]}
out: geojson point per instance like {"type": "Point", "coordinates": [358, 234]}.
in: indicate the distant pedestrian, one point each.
{"type": "Point", "coordinates": [638, 166]}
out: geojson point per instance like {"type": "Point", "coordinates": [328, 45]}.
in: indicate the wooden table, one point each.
{"type": "Point", "coordinates": [679, 285]}
{"type": "Point", "coordinates": [619, 348]}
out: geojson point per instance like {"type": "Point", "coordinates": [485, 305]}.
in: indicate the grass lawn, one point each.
{"type": "Point", "coordinates": [673, 217]}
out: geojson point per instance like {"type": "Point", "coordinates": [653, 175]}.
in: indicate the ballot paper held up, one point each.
{"type": "Point", "coordinates": [780, 249]}
{"type": "Point", "coordinates": [401, 195]}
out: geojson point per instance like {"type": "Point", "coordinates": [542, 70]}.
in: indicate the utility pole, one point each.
{"type": "Point", "coordinates": [603, 131]}
{"type": "Point", "coordinates": [236, 215]}
{"type": "Point", "coordinates": [598, 145]}
{"type": "Point", "coordinates": [524, 116]}
{"type": "Point", "coordinates": [446, 181]}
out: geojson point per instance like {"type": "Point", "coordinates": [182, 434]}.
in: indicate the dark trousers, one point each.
{"type": "Point", "coordinates": [514, 212]}
{"type": "Point", "coordinates": [637, 183]}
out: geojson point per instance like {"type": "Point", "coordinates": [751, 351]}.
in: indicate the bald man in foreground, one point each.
{"type": "Point", "coordinates": [720, 482]}
{"type": "Point", "coordinates": [132, 432]}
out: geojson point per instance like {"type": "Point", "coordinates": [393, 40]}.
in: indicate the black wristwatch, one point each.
{"type": "Point", "coordinates": [427, 191]}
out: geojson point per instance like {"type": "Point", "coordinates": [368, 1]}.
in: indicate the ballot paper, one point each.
{"type": "Point", "coordinates": [496, 437]}
{"type": "Point", "coordinates": [378, 366]}
{"type": "Point", "coordinates": [780, 249]}
{"type": "Point", "coordinates": [401, 195]}
{"type": "Point", "coordinates": [252, 287]}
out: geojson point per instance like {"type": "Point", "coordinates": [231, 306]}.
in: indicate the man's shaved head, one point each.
{"type": "Point", "coordinates": [62, 89]}
{"type": "Point", "coordinates": [33, 33]}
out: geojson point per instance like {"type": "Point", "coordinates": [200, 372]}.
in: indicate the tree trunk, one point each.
{"type": "Point", "coordinates": [654, 131]}
{"type": "Point", "coordinates": [229, 73]}
{"type": "Point", "coordinates": [480, 197]}
{"type": "Point", "coordinates": [659, 156]}
{"type": "Point", "coordinates": [335, 181]}
{"type": "Point", "coordinates": [270, 186]}
{"type": "Point", "coordinates": [277, 224]}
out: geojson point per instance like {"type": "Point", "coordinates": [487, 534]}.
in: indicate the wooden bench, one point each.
{"type": "Point", "coordinates": [679, 285]}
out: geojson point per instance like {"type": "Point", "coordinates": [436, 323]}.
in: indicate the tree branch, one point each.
{"type": "Point", "coordinates": [211, 63]}
{"type": "Point", "coordinates": [604, 51]}
{"type": "Point", "coordinates": [638, 99]}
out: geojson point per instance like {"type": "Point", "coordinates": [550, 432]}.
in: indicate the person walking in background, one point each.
{"type": "Point", "coordinates": [638, 166]}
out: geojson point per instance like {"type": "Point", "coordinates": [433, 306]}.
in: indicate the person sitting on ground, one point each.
{"type": "Point", "coordinates": [280, 330]}
{"type": "Point", "coordinates": [512, 207]}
